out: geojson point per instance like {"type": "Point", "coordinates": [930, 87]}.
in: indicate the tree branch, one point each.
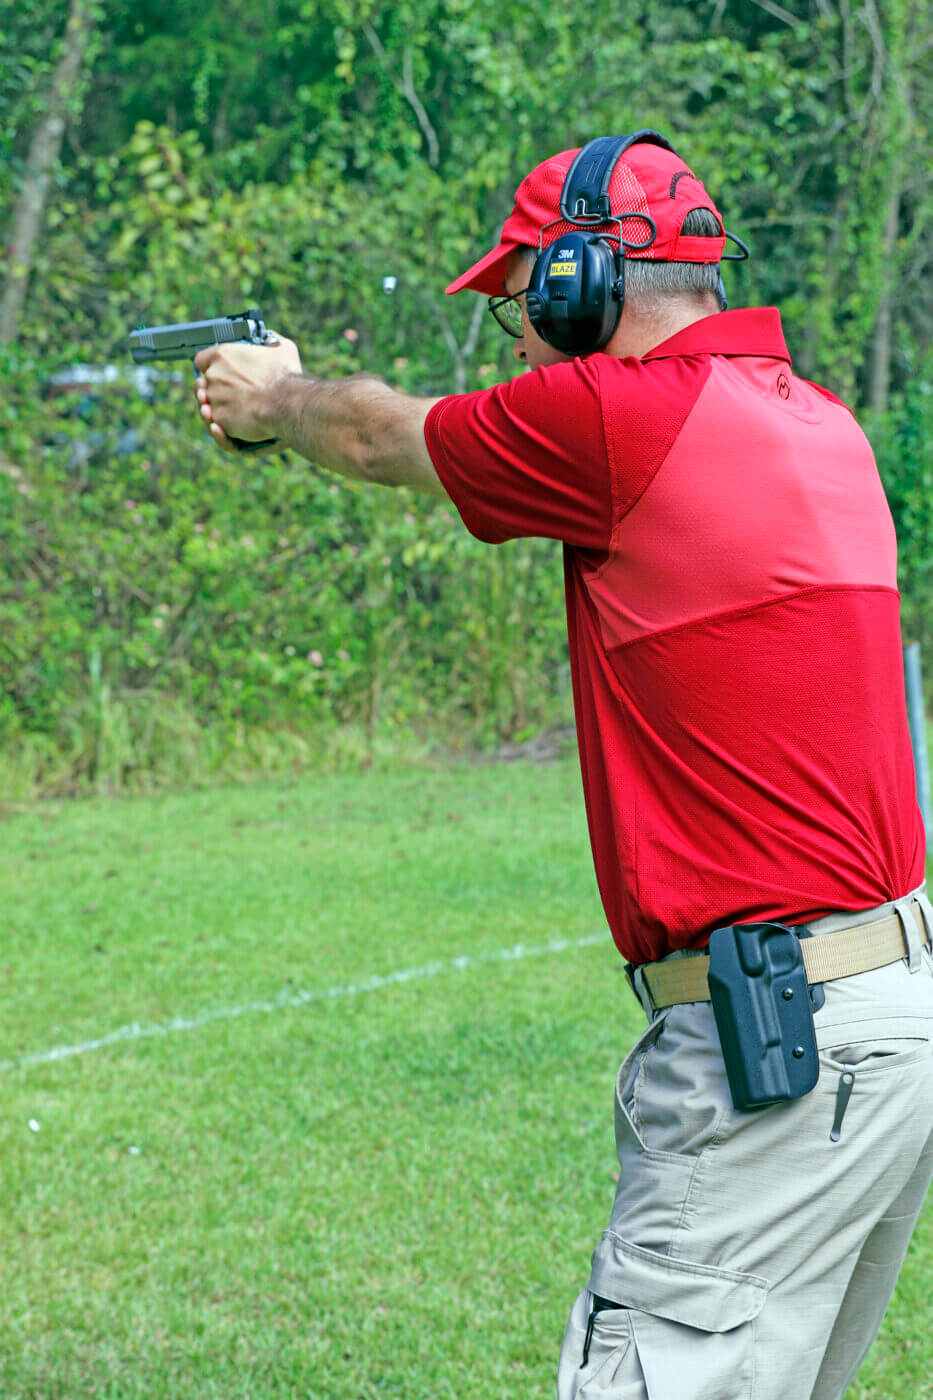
{"type": "Point", "coordinates": [476, 320]}
{"type": "Point", "coordinates": [846, 30]}
{"type": "Point", "coordinates": [777, 11]}
{"type": "Point", "coordinates": [406, 89]}
{"type": "Point", "coordinates": [872, 23]}
{"type": "Point", "coordinates": [408, 92]}
{"type": "Point", "coordinates": [460, 354]}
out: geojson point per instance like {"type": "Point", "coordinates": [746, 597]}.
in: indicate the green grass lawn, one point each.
{"type": "Point", "coordinates": [389, 1192]}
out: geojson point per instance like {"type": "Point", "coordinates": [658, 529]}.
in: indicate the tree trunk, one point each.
{"type": "Point", "coordinates": [220, 131]}
{"type": "Point", "coordinates": [880, 363]}
{"type": "Point", "coordinates": [44, 151]}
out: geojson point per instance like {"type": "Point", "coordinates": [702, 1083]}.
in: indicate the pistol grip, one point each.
{"type": "Point", "coordinates": [242, 445]}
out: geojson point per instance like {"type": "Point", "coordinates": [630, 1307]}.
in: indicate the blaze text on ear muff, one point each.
{"type": "Point", "coordinates": [577, 288]}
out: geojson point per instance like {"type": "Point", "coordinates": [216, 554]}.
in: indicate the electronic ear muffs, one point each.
{"type": "Point", "coordinates": [574, 299]}
{"type": "Point", "coordinates": [577, 287]}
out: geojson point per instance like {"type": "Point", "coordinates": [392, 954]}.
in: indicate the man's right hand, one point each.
{"type": "Point", "coordinates": [235, 387]}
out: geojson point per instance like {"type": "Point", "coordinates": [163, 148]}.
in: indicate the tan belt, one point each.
{"type": "Point", "coordinates": [826, 956]}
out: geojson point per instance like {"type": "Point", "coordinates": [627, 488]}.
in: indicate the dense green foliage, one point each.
{"type": "Point", "coordinates": [241, 599]}
{"type": "Point", "coordinates": [157, 601]}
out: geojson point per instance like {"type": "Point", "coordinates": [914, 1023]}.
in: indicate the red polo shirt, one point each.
{"type": "Point", "coordinates": [733, 616]}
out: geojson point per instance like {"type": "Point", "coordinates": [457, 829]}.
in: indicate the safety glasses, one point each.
{"type": "Point", "coordinates": [508, 312]}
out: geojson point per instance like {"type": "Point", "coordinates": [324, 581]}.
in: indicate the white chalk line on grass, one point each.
{"type": "Point", "coordinates": [285, 1000]}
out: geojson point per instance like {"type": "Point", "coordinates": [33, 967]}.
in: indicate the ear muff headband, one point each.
{"type": "Point", "coordinates": [585, 196]}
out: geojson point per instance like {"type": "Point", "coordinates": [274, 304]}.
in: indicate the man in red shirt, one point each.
{"type": "Point", "coordinates": [733, 623]}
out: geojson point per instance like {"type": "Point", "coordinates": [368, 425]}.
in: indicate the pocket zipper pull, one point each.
{"type": "Point", "coordinates": [843, 1094]}
{"type": "Point", "coordinates": [589, 1337]}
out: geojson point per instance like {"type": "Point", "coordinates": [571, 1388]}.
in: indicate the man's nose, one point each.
{"type": "Point", "coordinates": [519, 351]}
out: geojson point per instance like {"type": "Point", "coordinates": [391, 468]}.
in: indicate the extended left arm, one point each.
{"type": "Point", "coordinates": [357, 426]}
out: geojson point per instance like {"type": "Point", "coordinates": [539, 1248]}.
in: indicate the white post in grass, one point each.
{"type": "Point", "coordinates": [916, 718]}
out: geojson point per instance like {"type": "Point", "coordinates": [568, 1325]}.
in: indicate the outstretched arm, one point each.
{"type": "Point", "coordinates": [356, 426]}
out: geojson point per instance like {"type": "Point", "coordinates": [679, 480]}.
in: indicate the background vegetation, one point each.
{"type": "Point", "coordinates": [163, 612]}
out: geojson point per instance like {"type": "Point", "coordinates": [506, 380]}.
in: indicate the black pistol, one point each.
{"type": "Point", "coordinates": [184, 340]}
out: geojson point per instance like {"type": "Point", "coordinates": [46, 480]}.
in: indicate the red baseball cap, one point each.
{"type": "Point", "coordinates": [647, 180]}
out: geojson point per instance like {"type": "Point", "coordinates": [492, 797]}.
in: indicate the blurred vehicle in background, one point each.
{"type": "Point", "coordinates": [94, 387]}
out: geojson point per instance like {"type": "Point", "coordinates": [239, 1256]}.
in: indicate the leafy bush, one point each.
{"type": "Point", "coordinates": [903, 441]}
{"type": "Point", "coordinates": [152, 598]}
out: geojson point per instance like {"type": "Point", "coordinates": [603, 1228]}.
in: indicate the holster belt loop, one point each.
{"type": "Point", "coordinates": [911, 931]}
{"type": "Point", "coordinates": [926, 911]}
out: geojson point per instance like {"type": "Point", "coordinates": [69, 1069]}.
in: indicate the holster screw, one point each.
{"type": "Point", "coordinates": [788, 993]}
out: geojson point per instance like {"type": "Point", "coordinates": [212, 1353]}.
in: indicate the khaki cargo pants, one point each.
{"type": "Point", "coordinates": [753, 1256]}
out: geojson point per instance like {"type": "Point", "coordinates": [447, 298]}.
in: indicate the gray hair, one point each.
{"type": "Point", "coordinates": [649, 284]}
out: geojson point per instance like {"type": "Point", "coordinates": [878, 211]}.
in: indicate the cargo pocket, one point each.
{"type": "Point", "coordinates": [691, 1326]}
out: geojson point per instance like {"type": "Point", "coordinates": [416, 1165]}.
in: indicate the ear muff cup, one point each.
{"type": "Point", "coordinates": [576, 311]}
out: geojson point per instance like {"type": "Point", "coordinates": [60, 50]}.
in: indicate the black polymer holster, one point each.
{"type": "Point", "coordinates": [764, 1013]}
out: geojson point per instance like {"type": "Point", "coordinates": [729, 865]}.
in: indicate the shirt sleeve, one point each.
{"type": "Point", "coordinates": [528, 457]}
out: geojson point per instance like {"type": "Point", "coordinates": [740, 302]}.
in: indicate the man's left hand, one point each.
{"type": "Point", "coordinates": [235, 387]}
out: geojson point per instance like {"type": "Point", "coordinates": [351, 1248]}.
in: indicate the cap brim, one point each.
{"type": "Point", "coordinates": [487, 275]}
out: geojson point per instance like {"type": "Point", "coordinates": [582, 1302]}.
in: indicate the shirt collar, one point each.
{"type": "Point", "coordinates": [753, 331]}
